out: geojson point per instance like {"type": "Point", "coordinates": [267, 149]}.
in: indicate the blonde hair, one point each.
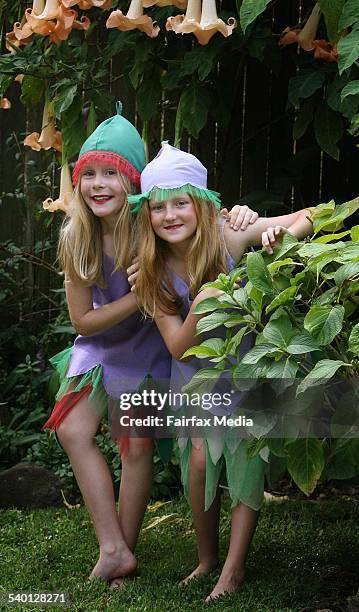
{"type": "Point", "coordinates": [206, 258]}
{"type": "Point", "coordinates": [80, 248]}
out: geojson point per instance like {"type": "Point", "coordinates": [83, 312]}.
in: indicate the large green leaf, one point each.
{"type": "Point", "coordinates": [149, 94]}
{"type": "Point", "coordinates": [348, 49]}
{"type": "Point", "coordinates": [192, 111]}
{"type": "Point", "coordinates": [334, 221]}
{"type": "Point", "coordinates": [278, 331]}
{"type": "Point", "coordinates": [354, 340]}
{"type": "Point", "coordinates": [304, 118]}
{"type": "Point", "coordinates": [305, 462]}
{"type": "Point", "coordinates": [202, 58]}
{"type": "Point", "coordinates": [351, 89]}
{"type": "Point", "coordinates": [65, 95]}
{"type": "Point", "coordinates": [346, 105]}
{"type": "Point", "coordinates": [324, 322]}
{"type": "Point", "coordinates": [207, 305]}
{"type": "Point", "coordinates": [258, 273]}
{"type": "Point", "coordinates": [213, 347]}
{"type": "Point", "coordinates": [349, 15]}
{"type": "Point", "coordinates": [343, 461]}
{"type": "Point", "coordinates": [212, 321]}
{"type": "Point", "coordinates": [235, 342]}
{"type": "Point", "coordinates": [332, 10]}
{"type": "Point", "coordinates": [257, 352]}
{"type": "Point", "coordinates": [304, 85]}
{"type": "Point", "coordinates": [285, 368]}
{"type": "Point", "coordinates": [73, 128]}
{"type": "Point", "coordinates": [285, 297]}
{"type": "Point", "coordinates": [32, 90]}
{"type": "Point", "coordinates": [301, 343]}
{"type": "Point", "coordinates": [328, 129]}
{"type": "Point", "coordinates": [322, 371]}
{"type": "Point", "coordinates": [250, 10]}
{"type": "Point", "coordinates": [346, 272]}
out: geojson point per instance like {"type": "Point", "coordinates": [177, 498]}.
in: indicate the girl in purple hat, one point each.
{"type": "Point", "coordinates": [182, 245]}
{"type": "Point", "coordinates": [116, 349]}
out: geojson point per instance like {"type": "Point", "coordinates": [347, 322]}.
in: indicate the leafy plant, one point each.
{"type": "Point", "coordinates": [301, 304]}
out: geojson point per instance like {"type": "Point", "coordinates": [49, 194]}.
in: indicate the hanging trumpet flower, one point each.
{"type": "Point", "coordinates": [51, 10]}
{"type": "Point", "coordinates": [87, 4]}
{"type": "Point", "coordinates": [309, 32]}
{"type": "Point", "coordinates": [50, 138]}
{"type": "Point", "coordinates": [305, 36]}
{"type": "Point", "coordinates": [203, 25]}
{"type": "Point", "coordinates": [185, 24]}
{"type": "Point", "coordinates": [324, 50]}
{"type": "Point", "coordinates": [38, 6]}
{"type": "Point", "coordinates": [63, 202]}
{"type": "Point", "coordinates": [181, 4]}
{"type": "Point", "coordinates": [5, 103]}
{"type": "Point", "coordinates": [135, 19]}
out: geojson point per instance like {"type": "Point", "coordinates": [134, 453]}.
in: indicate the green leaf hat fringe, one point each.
{"type": "Point", "coordinates": [158, 194]}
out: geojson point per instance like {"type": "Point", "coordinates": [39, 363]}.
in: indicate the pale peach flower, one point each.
{"type": "Point", "coordinates": [181, 4]}
{"type": "Point", "coordinates": [87, 4]}
{"type": "Point", "coordinates": [5, 103]}
{"type": "Point", "coordinates": [49, 137]}
{"type": "Point", "coordinates": [309, 32]}
{"type": "Point", "coordinates": [19, 78]}
{"type": "Point", "coordinates": [203, 25]}
{"type": "Point", "coordinates": [135, 19]}
{"type": "Point", "coordinates": [63, 202]}
{"type": "Point", "coordinates": [303, 36]}
{"type": "Point", "coordinates": [324, 50]}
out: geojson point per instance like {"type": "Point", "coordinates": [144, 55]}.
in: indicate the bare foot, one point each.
{"type": "Point", "coordinates": [228, 582]}
{"type": "Point", "coordinates": [201, 570]}
{"type": "Point", "coordinates": [114, 563]}
{"type": "Point", "coordinates": [117, 583]}
{"type": "Point", "coordinates": [120, 581]}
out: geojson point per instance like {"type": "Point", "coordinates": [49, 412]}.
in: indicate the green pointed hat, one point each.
{"type": "Point", "coordinates": [117, 142]}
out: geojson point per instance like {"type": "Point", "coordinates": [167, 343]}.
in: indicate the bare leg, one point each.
{"type": "Point", "coordinates": [76, 434]}
{"type": "Point", "coordinates": [206, 524]}
{"type": "Point", "coordinates": [244, 521]}
{"type": "Point", "coordinates": [135, 488]}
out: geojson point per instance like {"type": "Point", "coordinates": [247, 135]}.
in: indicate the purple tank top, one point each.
{"type": "Point", "coordinates": [128, 351]}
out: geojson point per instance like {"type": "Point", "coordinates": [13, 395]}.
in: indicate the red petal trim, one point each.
{"type": "Point", "coordinates": [106, 157]}
{"type": "Point", "coordinates": [64, 406]}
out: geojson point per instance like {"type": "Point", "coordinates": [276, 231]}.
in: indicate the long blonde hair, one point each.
{"type": "Point", "coordinates": [80, 248]}
{"type": "Point", "coordinates": [206, 258]}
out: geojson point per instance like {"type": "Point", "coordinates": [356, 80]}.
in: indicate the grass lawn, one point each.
{"type": "Point", "coordinates": [304, 557]}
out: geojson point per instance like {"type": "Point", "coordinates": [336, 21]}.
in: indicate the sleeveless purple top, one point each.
{"type": "Point", "coordinates": [183, 371]}
{"type": "Point", "coordinates": [128, 351]}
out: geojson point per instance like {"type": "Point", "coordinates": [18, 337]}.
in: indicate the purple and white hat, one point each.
{"type": "Point", "coordinates": [171, 173]}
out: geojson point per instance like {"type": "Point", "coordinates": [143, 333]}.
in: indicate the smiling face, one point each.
{"type": "Point", "coordinates": [174, 220]}
{"type": "Point", "coordinates": [102, 190]}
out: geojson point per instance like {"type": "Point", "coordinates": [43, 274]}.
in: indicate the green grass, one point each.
{"type": "Point", "coordinates": [304, 557]}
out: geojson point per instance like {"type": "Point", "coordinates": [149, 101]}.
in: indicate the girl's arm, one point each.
{"type": "Point", "coordinates": [87, 320]}
{"type": "Point", "coordinates": [179, 335]}
{"type": "Point", "coordinates": [296, 223]}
